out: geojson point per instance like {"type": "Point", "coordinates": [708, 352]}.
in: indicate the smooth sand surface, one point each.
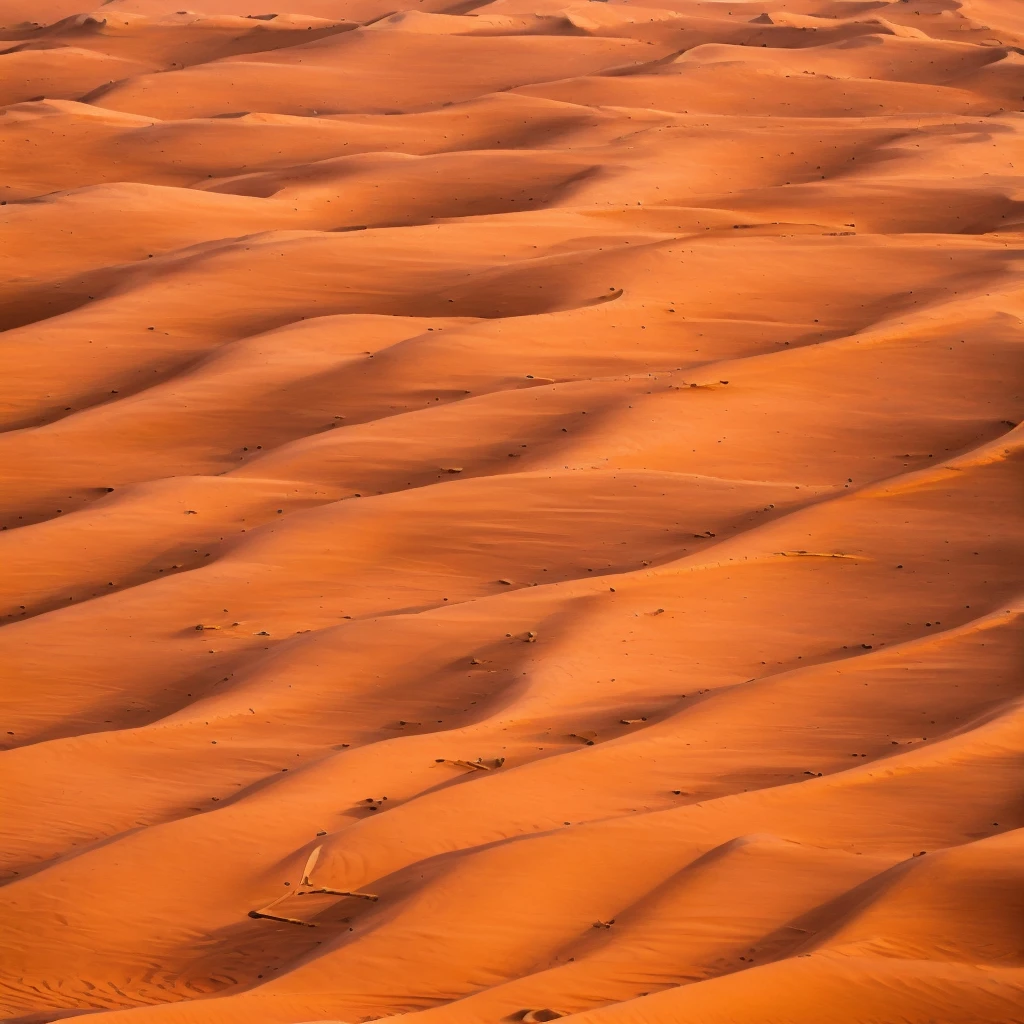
{"type": "Point", "coordinates": [548, 468]}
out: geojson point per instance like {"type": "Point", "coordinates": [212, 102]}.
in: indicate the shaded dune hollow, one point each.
{"type": "Point", "coordinates": [512, 510]}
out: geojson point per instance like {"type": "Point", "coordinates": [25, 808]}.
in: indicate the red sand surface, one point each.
{"type": "Point", "coordinates": [551, 467]}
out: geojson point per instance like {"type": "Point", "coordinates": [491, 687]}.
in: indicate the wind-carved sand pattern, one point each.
{"type": "Point", "coordinates": [512, 511]}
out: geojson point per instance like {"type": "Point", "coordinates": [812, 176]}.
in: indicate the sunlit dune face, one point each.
{"type": "Point", "coordinates": [511, 511]}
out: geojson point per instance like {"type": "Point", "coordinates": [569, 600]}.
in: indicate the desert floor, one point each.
{"type": "Point", "coordinates": [635, 388]}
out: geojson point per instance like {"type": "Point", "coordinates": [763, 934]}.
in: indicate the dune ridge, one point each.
{"type": "Point", "coordinates": [681, 477]}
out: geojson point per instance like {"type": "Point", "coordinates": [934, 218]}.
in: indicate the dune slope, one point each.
{"type": "Point", "coordinates": [637, 388]}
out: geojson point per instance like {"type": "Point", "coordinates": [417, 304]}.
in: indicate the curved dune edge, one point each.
{"type": "Point", "coordinates": [636, 388]}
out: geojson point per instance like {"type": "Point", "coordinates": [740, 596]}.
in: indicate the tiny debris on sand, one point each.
{"type": "Point", "coordinates": [340, 892]}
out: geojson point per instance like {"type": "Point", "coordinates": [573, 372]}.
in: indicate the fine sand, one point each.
{"type": "Point", "coordinates": [512, 510]}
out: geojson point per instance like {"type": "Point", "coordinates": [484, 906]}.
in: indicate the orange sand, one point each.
{"type": "Point", "coordinates": [550, 466]}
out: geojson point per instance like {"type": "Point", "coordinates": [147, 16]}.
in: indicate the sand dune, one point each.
{"type": "Point", "coordinates": [635, 387]}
